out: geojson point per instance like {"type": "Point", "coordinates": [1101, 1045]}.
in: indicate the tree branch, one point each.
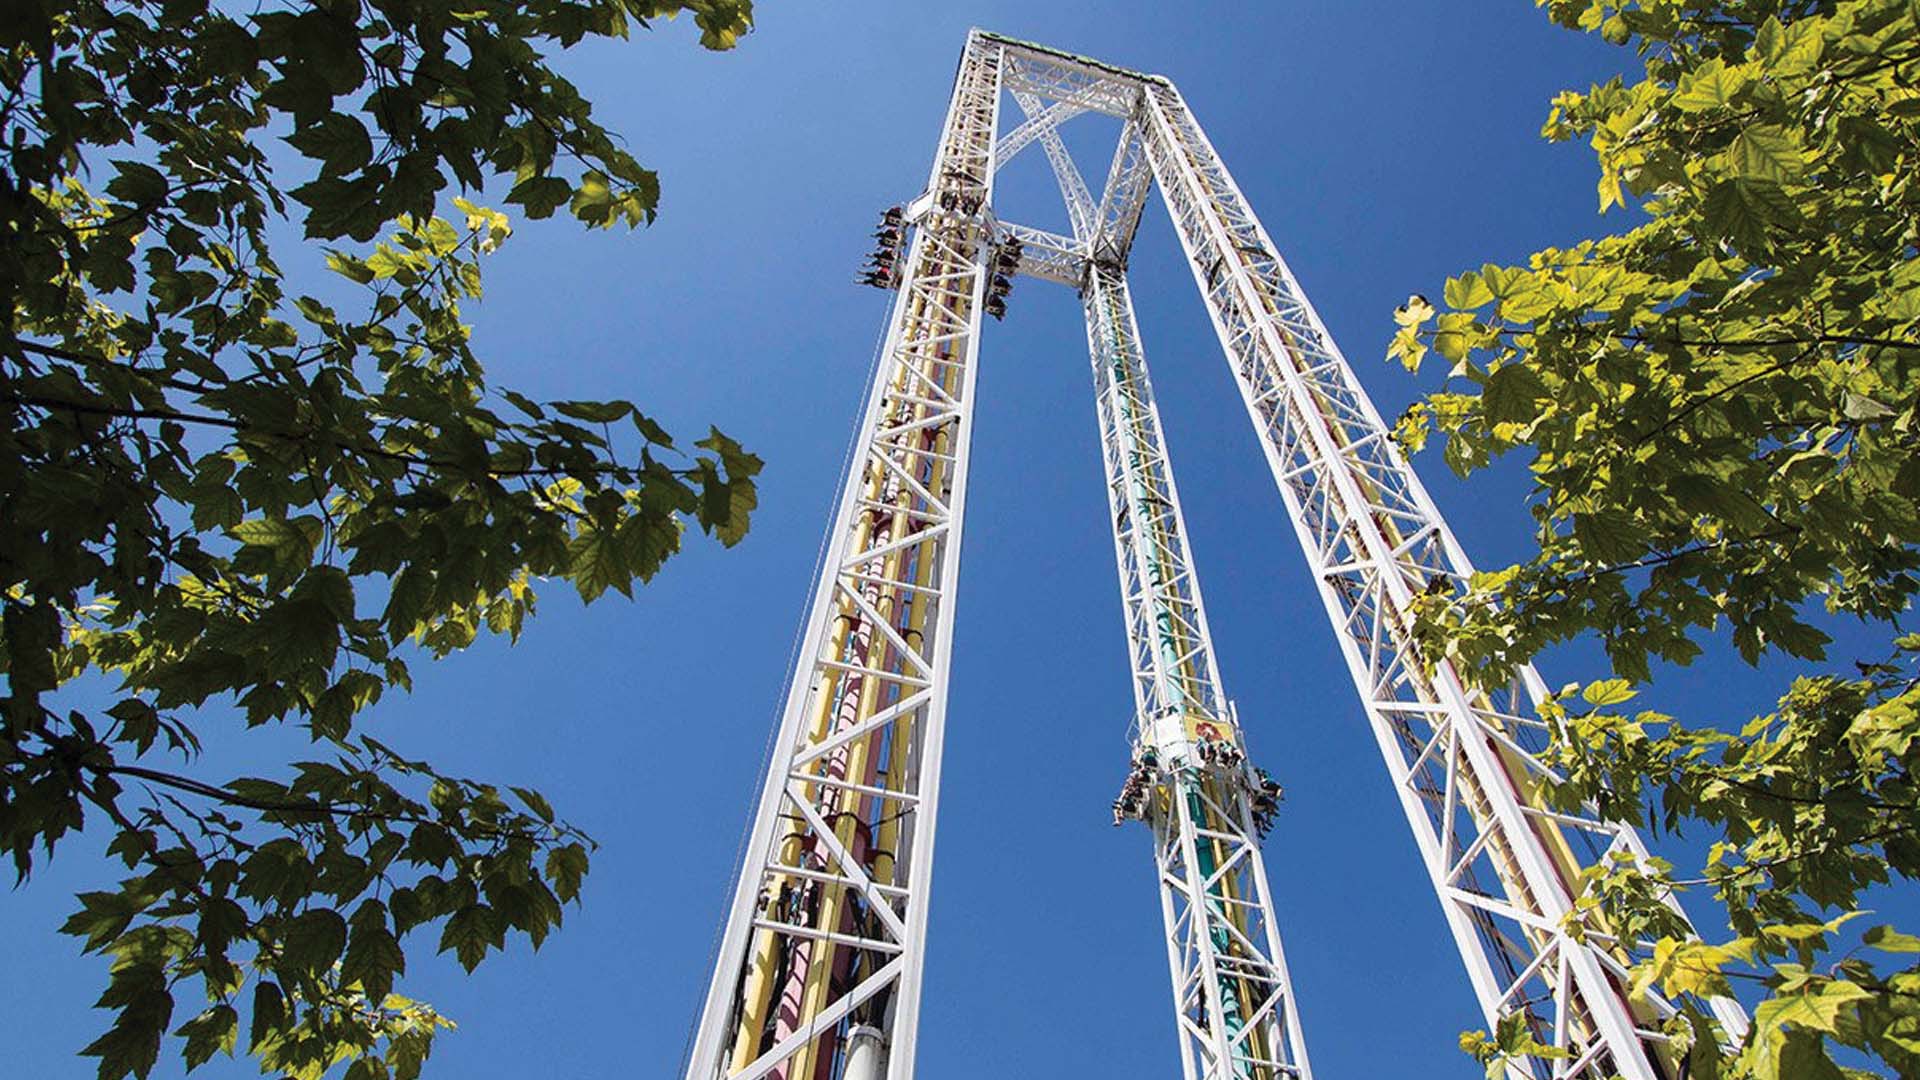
{"type": "Point", "coordinates": [1671, 556]}
{"type": "Point", "coordinates": [292, 806]}
{"type": "Point", "coordinates": [101, 361]}
{"type": "Point", "coordinates": [230, 424]}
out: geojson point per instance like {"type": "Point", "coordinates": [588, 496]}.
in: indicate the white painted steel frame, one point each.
{"type": "Point", "coordinates": [1503, 863]}
{"type": "Point", "coordinates": [1223, 939]}
{"type": "Point", "coordinates": [854, 649]}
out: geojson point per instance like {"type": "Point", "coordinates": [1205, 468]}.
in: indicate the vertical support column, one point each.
{"type": "Point", "coordinates": [819, 969]}
{"type": "Point", "coordinates": [1233, 1000]}
{"type": "Point", "coordinates": [1504, 864]}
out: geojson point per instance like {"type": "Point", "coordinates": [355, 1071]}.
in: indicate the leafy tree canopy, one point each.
{"type": "Point", "coordinates": [235, 502]}
{"type": "Point", "coordinates": [1720, 408]}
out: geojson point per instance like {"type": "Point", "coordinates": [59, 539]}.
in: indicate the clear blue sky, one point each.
{"type": "Point", "coordinates": [1384, 146]}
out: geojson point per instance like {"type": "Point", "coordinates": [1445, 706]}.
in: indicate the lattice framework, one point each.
{"type": "Point", "coordinates": [818, 976]}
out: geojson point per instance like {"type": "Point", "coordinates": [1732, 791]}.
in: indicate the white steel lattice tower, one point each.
{"type": "Point", "coordinates": [818, 973]}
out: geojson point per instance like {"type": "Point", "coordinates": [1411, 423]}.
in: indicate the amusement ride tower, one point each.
{"type": "Point", "coordinates": [818, 975]}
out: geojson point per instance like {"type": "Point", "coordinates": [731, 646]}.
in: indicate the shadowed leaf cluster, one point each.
{"type": "Point", "coordinates": [1720, 411]}
{"type": "Point", "coordinates": [226, 505]}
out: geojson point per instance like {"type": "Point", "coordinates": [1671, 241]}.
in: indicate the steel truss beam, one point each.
{"type": "Point", "coordinates": [1080, 205]}
{"type": "Point", "coordinates": [1076, 81]}
{"type": "Point", "coordinates": [1505, 866]}
{"type": "Point", "coordinates": [1233, 1001]}
{"type": "Point", "coordinates": [1048, 256]}
{"type": "Point", "coordinates": [818, 974]}
{"type": "Point", "coordinates": [819, 968]}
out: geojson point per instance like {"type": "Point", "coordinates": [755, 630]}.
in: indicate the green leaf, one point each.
{"type": "Point", "coordinates": [470, 933]}
{"type": "Point", "coordinates": [594, 412]}
{"type": "Point", "coordinates": [292, 542]}
{"type": "Point", "coordinates": [1709, 86]}
{"type": "Point", "coordinates": [1608, 537]}
{"type": "Point", "coordinates": [1746, 212]}
{"type": "Point", "coordinates": [727, 508]}
{"type": "Point", "coordinates": [1453, 337]}
{"type": "Point", "coordinates": [1767, 153]}
{"type": "Point", "coordinates": [651, 431]}
{"type": "Point", "coordinates": [316, 312]}
{"type": "Point", "coordinates": [337, 207]}
{"type": "Point", "coordinates": [338, 141]}
{"type": "Point", "coordinates": [1887, 939]}
{"type": "Point", "coordinates": [138, 183]}
{"type": "Point", "coordinates": [104, 916]}
{"type": "Point", "coordinates": [738, 462]}
{"type": "Point", "coordinates": [566, 867]}
{"type": "Point", "coordinates": [1869, 143]}
{"type": "Point", "coordinates": [1863, 408]}
{"type": "Point", "coordinates": [330, 588]}
{"type": "Point", "coordinates": [1796, 931]}
{"type": "Point", "coordinates": [269, 1015]}
{"type": "Point", "coordinates": [215, 1030]}
{"type": "Point", "coordinates": [541, 195]}
{"type": "Point", "coordinates": [221, 922]}
{"type": "Point", "coordinates": [1803, 1056]}
{"type": "Point", "coordinates": [1608, 692]}
{"type": "Point", "coordinates": [367, 1068]}
{"type": "Point", "coordinates": [1703, 1052]}
{"type": "Point", "coordinates": [597, 562]}
{"type": "Point", "coordinates": [1467, 292]}
{"type": "Point", "coordinates": [373, 955]}
{"type": "Point", "coordinates": [1818, 1008]}
{"type": "Point", "coordinates": [524, 404]}
{"type": "Point", "coordinates": [314, 939]}
{"type": "Point", "coordinates": [535, 802]}
{"type": "Point", "coordinates": [349, 267]}
{"type": "Point", "coordinates": [594, 201]}
{"type": "Point", "coordinates": [132, 1044]}
{"type": "Point", "coordinates": [32, 632]}
{"type": "Point", "coordinates": [1512, 395]}
{"type": "Point", "coordinates": [408, 602]}
{"type": "Point", "coordinates": [1698, 494]}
